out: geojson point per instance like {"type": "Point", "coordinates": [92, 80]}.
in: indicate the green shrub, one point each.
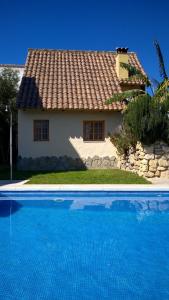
{"type": "Point", "coordinates": [123, 141]}
{"type": "Point", "coordinates": [146, 119]}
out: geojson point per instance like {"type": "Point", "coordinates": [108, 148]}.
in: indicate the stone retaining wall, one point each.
{"type": "Point", "coordinates": [148, 161]}
{"type": "Point", "coordinates": [66, 163]}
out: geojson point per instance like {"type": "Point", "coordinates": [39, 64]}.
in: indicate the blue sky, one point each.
{"type": "Point", "coordinates": [85, 25]}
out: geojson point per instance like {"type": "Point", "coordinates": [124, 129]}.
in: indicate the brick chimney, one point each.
{"type": "Point", "coordinates": [122, 57]}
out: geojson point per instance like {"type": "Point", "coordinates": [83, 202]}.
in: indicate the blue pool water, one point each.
{"type": "Point", "coordinates": [74, 245]}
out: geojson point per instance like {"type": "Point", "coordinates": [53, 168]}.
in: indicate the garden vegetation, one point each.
{"type": "Point", "coordinates": [9, 80]}
{"type": "Point", "coordinates": [146, 115]}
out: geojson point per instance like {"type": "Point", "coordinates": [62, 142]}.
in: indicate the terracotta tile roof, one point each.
{"type": "Point", "coordinates": [70, 79]}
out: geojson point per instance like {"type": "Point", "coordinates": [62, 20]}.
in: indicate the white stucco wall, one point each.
{"type": "Point", "coordinates": [65, 134]}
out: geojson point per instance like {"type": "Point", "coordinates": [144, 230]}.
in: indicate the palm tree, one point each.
{"type": "Point", "coordinates": [161, 61]}
{"type": "Point", "coordinates": [159, 90]}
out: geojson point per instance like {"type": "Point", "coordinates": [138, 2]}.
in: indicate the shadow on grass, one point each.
{"type": "Point", "coordinates": [22, 175]}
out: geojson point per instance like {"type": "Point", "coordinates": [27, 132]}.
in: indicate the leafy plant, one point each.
{"type": "Point", "coordinates": [146, 116]}
{"type": "Point", "coordinates": [147, 120]}
{"type": "Point", "coordinates": [9, 80]}
{"type": "Point", "coordinates": [123, 141]}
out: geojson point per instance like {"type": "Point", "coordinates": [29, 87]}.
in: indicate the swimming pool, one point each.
{"type": "Point", "coordinates": [84, 245]}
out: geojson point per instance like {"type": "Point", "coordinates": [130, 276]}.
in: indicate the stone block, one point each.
{"type": "Point", "coordinates": [153, 163]}
{"type": "Point", "coordinates": [149, 156]}
{"type": "Point", "coordinates": [149, 174]}
{"type": "Point", "coordinates": [144, 168]}
{"type": "Point", "coordinates": [142, 152]}
{"type": "Point", "coordinates": [106, 163]}
{"type": "Point", "coordinates": [88, 163]}
{"type": "Point", "coordinates": [157, 173]}
{"type": "Point", "coordinates": [163, 162]}
{"type": "Point", "coordinates": [161, 168]}
{"type": "Point", "coordinates": [164, 174]}
{"type": "Point", "coordinates": [151, 169]}
{"type": "Point", "coordinates": [137, 163]}
{"type": "Point", "coordinates": [144, 162]}
{"type": "Point", "coordinates": [96, 162]}
{"type": "Point", "coordinates": [139, 146]}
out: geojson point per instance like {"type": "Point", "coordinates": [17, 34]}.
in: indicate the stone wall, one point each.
{"type": "Point", "coordinates": [148, 161]}
{"type": "Point", "coordinates": [66, 163]}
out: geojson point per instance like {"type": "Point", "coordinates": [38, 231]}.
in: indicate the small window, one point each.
{"type": "Point", "coordinates": [41, 130]}
{"type": "Point", "coordinates": [93, 131]}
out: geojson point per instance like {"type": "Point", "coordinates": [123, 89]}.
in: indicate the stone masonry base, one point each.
{"type": "Point", "coordinates": [148, 161]}
{"type": "Point", "coordinates": [66, 163]}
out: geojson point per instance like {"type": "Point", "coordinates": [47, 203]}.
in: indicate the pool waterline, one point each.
{"type": "Point", "coordinates": [141, 201]}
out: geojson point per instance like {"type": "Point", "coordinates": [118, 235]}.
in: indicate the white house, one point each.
{"type": "Point", "coordinates": [63, 121]}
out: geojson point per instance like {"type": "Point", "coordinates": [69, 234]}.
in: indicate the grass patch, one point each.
{"type": "Point", "coordinates": [114, 176]}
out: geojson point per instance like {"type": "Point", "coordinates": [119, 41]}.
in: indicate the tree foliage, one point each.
{"type": "Point", "coordinates": [8, 87]}
{"type": "Point", "coordinates": [9, 80]}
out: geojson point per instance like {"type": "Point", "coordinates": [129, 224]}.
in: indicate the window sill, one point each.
{"type": "Point", "coordinates": [41, 141]}
{"type": "Point", "coordinates": [100, 141]}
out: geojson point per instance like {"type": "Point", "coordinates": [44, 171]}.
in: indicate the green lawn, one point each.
{"type": "Point", "coordinates": [77, 177]}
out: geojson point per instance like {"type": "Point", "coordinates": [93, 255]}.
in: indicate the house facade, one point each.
{"type": "Point", "coordinates": [63, 119]}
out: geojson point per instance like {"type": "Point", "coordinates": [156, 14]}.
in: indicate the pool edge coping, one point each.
{"type": "Point", "coordinates": [83, 187]}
